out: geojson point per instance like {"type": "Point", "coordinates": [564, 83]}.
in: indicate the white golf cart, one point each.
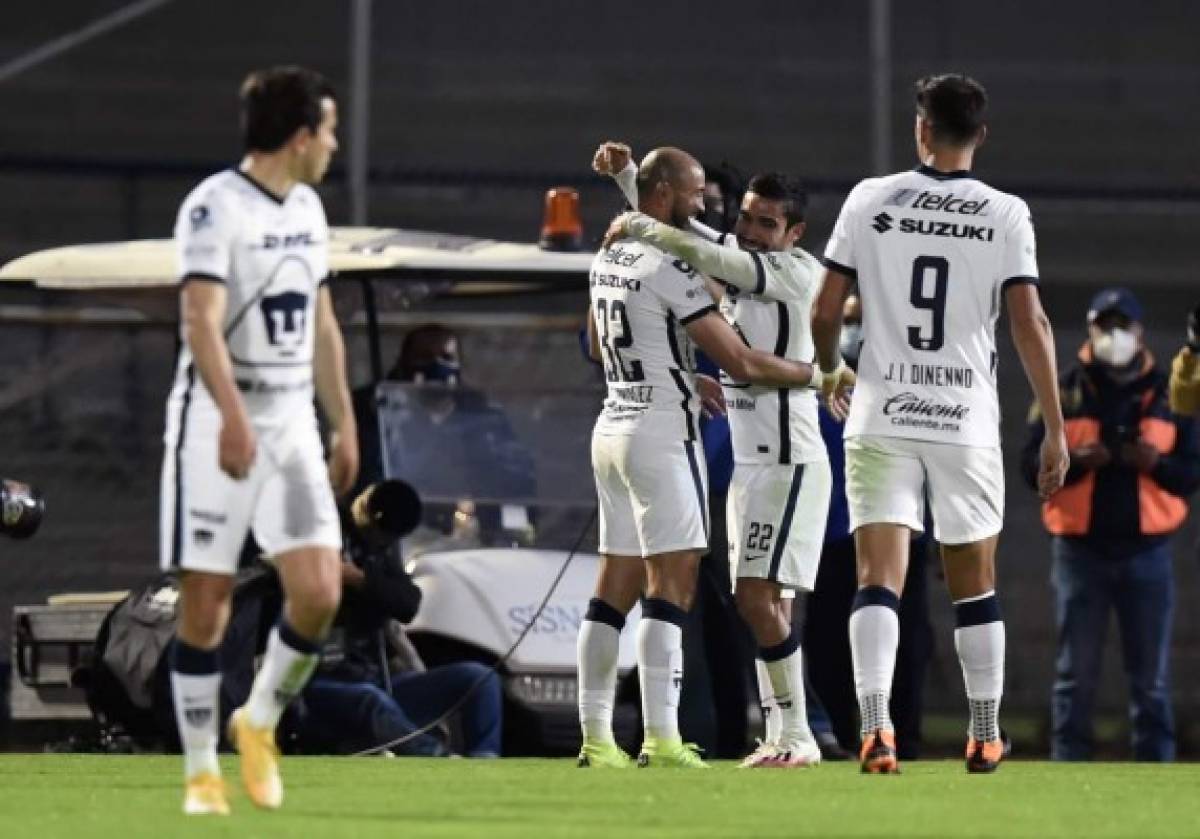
{"type": "Point", "coordinates": [506, 486]}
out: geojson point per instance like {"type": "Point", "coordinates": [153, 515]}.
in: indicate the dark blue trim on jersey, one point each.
{"type": "Point", "coordinates": [676, 356]}
{"type": "Point", "coordinates": [677, 376]}
{"type": "Point", "coordinates": [690, 448]}
{"type": "Point", "coordinates": [241, 362]}
{"type": "Point", "coordinates": [760, 283]}
{"type": "Point", "coordinates": [177, 526]}
{"type": "Point", "coordinates": [785, 525]}
{"type": "Point", "coordinates": [201, 277]}
{"type": "Point", "coordinates": [696, 315]}
{"type": "Point", "coordinates": [685, 402]}
{"type": "Point", "coordinates": [266, 192]}
{"type": "Point", "coordinates": [939, 175]}
{"type": "Point", "coordinates": [845, 270]}
{"type": "Point", "coordinates": [1019, 280]}
{"type": "Point", "coordinates": [785, 408]}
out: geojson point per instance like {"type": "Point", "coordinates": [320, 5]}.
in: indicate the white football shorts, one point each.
{"type": "Point", "coordinates": [887, 479]}
{"type": "Point", "coordinates": [652, 492]}
{"type": "Point", "coordinates": [286, 499]}
{"type": "Point", "coordinates": [775, 517]}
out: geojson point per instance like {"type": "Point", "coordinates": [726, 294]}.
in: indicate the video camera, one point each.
{"type": "Point", "coordinates": [21, 509]}
{"type": "Point", "coordinates": [384, 512]}
{"type": "Point", "coordinates": [375, 520]}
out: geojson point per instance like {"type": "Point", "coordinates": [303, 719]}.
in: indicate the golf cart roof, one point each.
{"type": "Point", "coordinates": [359, 252]}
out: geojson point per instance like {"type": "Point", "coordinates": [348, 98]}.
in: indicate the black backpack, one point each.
{"type": "Point", "coordinates": [129, 690]}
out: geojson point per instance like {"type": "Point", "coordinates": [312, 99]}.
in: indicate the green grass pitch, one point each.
{"type": "Point", "coordinates": [89, 796]}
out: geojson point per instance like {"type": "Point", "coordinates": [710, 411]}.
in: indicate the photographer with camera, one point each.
{"type": "Point", "coordinates": [1133, 461]}
{"type": "Point", "coordinates": [371, 687]}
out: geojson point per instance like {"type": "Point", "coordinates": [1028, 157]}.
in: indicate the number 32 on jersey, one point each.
{"type": "Point", "coordinates": [612, 324]}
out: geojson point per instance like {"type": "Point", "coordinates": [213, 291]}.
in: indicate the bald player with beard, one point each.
{"type": "Point", "coordinates": [648, 312]}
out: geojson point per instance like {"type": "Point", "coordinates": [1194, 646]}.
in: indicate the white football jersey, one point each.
{"type": "Point", "coordinates": [641, 300]}
{"type": "Point", "coordinates": [932, 253]}
{"type": "Point", "coordinates": [272, 256]}
{"type": "Point", "coordinates": [774, 425]}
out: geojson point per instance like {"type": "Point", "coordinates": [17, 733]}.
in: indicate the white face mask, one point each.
{"type": "Point", "coordinates": [1116, 348]}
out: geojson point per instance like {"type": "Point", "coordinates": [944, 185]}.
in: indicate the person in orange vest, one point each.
{"type": "Point", "coordinates": [1133, 461]}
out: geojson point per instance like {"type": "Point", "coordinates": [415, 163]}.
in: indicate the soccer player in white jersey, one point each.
{"type": "Point", "coordinates": [779, 493]}
{"type": "Point", "coordinates": [243, 449]}
{"type": "Point", "coordinates": [934, 252]}
{"type": "Point", "coordinates": [647, 309]}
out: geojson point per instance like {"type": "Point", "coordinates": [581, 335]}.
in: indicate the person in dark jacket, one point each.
{"type": "Point", "coordinates": [1133, 461]}
{"type": "Point", "coordinates": [371, 687]}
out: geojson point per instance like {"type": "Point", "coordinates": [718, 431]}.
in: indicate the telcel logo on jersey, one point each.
{"type": "Point", "coordinates": [946, 202]}
{"type": "Point", "coordinates": [617, 255]}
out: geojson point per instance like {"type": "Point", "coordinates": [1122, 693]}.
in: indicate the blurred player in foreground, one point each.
{"type": "Point", "coordinates": [779, 494]}
{"type": "Point", "coordinates": [647, 310]}
{"type": "Point", "coordinates": [934, 251]}
{"type": "Point", "coordinates": [243, 449]}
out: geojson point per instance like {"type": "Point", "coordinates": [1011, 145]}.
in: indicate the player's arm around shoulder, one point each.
{"type": "Point", "coordinates": [333, 392]}
{"type": "Point", "coordinates": [716, 337]}
{"type": "Point", "coordinates": [733, 265]}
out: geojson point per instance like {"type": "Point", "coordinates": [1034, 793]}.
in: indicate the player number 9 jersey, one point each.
{"type": "Point", "coordinates": [932, 253]}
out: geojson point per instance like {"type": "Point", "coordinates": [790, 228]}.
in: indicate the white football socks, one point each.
{"type": "Point", "coordinates": [289, 661]}
{"type": "Point", "coordinates": [660, 667]}
{"type": "Point", "coordinates": [195, 690]}
{"type": "Point", "coordinates": [597, 655]}
{"type": "Point", "coordinates": [785, 668]}
{"type": "Point", "coordinates": [874, 636]}
{"type": "Point", "coordinates": [979, 640]}
{"type": "Point", "coordinates": [772, 725]}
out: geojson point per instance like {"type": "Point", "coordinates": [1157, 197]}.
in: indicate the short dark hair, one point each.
{"type": "Point", "coordinates": [953, 105]}
{"type": "Point", "coordinates": [277, 101]}
{"type": "Point", "coordinates": [775, 186]}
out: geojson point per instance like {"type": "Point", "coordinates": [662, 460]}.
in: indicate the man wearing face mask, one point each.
{"type": "Point", "coordinates": [1132, 463]}
{"type": "Point", "coordinates": [446, 437]}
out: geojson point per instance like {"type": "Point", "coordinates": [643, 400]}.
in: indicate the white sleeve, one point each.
{"type": "Point", "coordinates": [790, 277]}
{"type": "Point", "coordinates": [707, 233]}
{"type": "Point", "coordinates": [1019, 261]}
{"type": "Point", "coordinates": [839, 250]}
{"type": "Point", "coordinates": [730, 264]}
{"type": "Point", "coordinates": [204, 237]}
{"type": "Point", "coordinates": [682, 289]}
{"type": "Point", "coordinates": [627, 180]}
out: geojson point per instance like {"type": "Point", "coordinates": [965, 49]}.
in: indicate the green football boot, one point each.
{"type": "Point", "coordinates": [607, 755]}
{"type": "Point", "coordinates": [669, 754]}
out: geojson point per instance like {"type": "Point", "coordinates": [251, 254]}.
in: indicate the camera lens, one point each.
{"type": "Point", "coordinates": [21, 509]}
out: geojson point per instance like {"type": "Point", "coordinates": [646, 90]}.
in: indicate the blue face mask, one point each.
{"type": "Point", "coordinates": [443, 370]}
